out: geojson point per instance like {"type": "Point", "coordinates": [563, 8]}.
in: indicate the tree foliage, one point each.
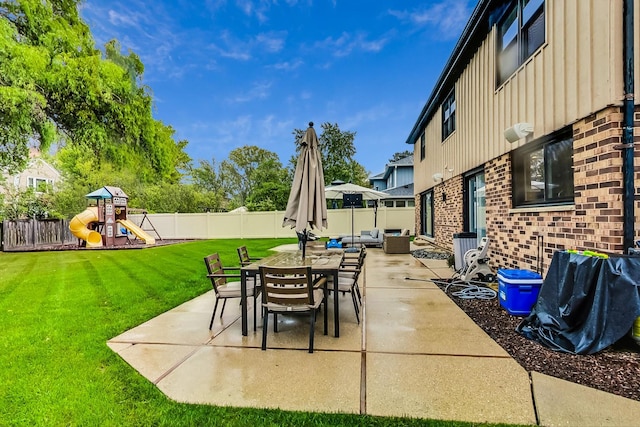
{"type": "Point", "coordinates": [400, 155]}
{"type": "Point", "coordinates": [55, 86]}
{"type": "Point", "coordinates": [338, 151]}
{"type": "Point", "coordinates": [247, 171]}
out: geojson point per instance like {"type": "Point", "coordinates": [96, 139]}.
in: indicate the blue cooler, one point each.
{"type": "Point", "coordinates": [518, 290]}
{"type": "Point", "coordinates": [334, 243]}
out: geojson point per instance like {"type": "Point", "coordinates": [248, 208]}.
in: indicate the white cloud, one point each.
{"type": "Point", "coordinates": [347, 43]}
{"type": "Point", "coordinates": [446, 19]}
{"type": "Point", "coordinates": [288, 65]}
{"type": "Point", "coordinates": [243, 50]}
{"type": "Point", "coordinates": [258, 91]}
{"type": "Point", "coordinates": [370, 116]}
{"type": "Point", "coordinates": [119, 19]}
{"type": "Point", "coordinates": [228, 134]}
{"type": "Point", "coordinates": [273, 41]}
{"type": "Point", "coordinates": [151, 34]}
{"type": "Point", "coordinates": [271, 127]}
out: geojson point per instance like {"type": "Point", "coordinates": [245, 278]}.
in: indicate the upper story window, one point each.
{"type": "Point", "coordinates": [543, 172]}
{"type": "Point", "coordinates": [520, 33]}
{"type": "Point", "coordinates": [38, 184]}
{"type": "Point", "coordinates": [423, 147]}
{"type": "Point", "coordinates": [449, 115]}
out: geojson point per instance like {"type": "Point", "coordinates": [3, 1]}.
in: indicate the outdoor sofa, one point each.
{"type": "Point", "coordinates": [367, 238]}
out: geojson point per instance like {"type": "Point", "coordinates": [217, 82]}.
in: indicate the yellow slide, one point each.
{"type": "Point", "coordinates": [139, 232]}
{"type": "Point", "coordinates": [79, 223]}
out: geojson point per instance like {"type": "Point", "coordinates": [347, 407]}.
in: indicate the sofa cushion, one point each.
{"type": "Point", "coordinates": [374, 233]}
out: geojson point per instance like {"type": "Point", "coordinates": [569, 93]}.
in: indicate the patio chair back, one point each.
{"type": "Point", "coordinates": [289, 290]}
{"type": "Point", "coordinates": [223, 288]}
{"type": "Point", "coordinates": [215, 272]}
{"type": "Point", "coordinates": [243, 255]}
{"type": "Point", "coordinates": [288, 286]}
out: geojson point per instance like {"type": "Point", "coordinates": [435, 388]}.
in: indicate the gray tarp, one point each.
{"type": "Point", "coordinates": [585, 303]}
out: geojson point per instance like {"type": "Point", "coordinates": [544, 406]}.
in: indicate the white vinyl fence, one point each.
{"type": "Point", "coordinates": [251, 225]}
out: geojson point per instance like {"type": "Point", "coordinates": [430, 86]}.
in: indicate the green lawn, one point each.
{"type": "Point", "coordinates": [58, 309]}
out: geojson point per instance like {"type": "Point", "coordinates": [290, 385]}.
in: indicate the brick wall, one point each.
{"type": "Point", "coordinates": [447, 205]}
{"type": "Point", "coordinates": [527, 238]}
{"type": "Point", "coordinates": [447, 211]}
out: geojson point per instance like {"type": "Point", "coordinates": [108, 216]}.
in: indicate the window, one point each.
{"type": "Point", "coordinates": [401, 203]}
{"type": "Point", "coordinates": [423, 147]}
{"type": "Point", "coordinates": [474, 204]}
{"type": "Point", "coordinates": [449, 115]}
{"type": "Point", "coordinates": [543, 172]}
{"type": "Point", "coordinates": [38, 184]}
{"type": "Point", "coordinates": [426, 213]}
{"type": "Point", "coordinates": [520, 33]}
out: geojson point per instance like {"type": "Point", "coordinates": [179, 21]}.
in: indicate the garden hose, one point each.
{"type": "Point", "coordinates": [470, 289]}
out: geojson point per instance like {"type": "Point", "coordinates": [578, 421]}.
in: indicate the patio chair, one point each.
{"type": "Point", "coordinates": [350, 263]}
{"type": "Point", "coordinates": [290, 290]}
{"type": "Point", "coordinates": [348, 284]}
{"type": "Point", "coordinates": [225, 289]}
{"type": "Point", "coordinates": [354, 259]}
{"type": "Point", "coordinates": [243, 255]}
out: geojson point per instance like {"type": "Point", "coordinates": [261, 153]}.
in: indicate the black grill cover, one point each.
{"type": "Point", "coordinates": [585, 303]}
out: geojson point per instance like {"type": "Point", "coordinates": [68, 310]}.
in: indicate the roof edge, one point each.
{"type": "Point", "coordinates": [467, 42]}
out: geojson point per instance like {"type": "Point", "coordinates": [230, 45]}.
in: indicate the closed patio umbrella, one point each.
{"type": "Point", "coordinates": [307, 205]}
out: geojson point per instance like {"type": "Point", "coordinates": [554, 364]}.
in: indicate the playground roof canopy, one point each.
{"type": "Point", "coordinates": [107, 192]}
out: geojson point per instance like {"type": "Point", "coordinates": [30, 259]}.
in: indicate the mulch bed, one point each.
{"type": "Point", "coordinates": [615, 369]}
{"type": "Point", "coordinates": [137, 244]}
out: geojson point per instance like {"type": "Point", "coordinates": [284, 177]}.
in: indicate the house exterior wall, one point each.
{"type": "Point", "coordinates": [400, 176]}
{"type": "Point", "coordinates": [378, 184]}
{"type": "Point", "coordinates": [36, 170]}
{"type": "Point", "coordinates": [527, 238]}
{"type": "Point", "coordinates": [576, 72]}
{"type": "Point", "coordinates": [573, 80]}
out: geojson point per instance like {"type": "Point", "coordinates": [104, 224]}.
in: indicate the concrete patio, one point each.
{"type": "Point", "coordinates": [415, 354]}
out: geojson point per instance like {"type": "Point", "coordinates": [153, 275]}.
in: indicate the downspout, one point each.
{"type": "Point", "coordinates": [627, 133]}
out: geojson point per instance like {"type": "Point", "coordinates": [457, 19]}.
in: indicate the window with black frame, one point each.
{"type": "Point", "coordinates": [427, 213]}
{"type": "Point", "coordinates": [543, 172]}
{"type": "Point", "coordinates": [521, 31]}
{"type": "Point", "coordinates": [423, 147]}
{"type": "Point", "coordinates": [449, 115]}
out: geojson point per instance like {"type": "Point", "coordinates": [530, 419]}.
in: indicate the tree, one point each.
{"type": "Point", "coordinates": [247, 169]}
{"type": "Point", "coordinates": [338, 151]}
{"type": "Point", "coordinates": [206, 176]}
{"type": "Point", "coordinates": [55, 86]}
{"type": "Point", "coordinates": [272, 188]}
{"type": "Point", "coordinates": [22, 204]}
{"type": "Point", "coordinates": [400, 155]}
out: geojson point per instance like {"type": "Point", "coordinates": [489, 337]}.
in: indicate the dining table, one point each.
{"type": "Point", "coordinates": [322, 262]}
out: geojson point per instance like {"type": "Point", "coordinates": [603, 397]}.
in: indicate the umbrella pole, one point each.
{"type": "Point", "coordinates": [302, 241]}
{"type": "Point", "coordinates": [353, 239]}
{"type": "Point", "coordinates": [375, 213]}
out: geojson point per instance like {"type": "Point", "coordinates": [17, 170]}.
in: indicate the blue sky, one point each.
{"type": "Point", "coordinates": [228, 73]}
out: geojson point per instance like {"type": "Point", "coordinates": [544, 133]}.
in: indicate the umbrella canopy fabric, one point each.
{"type": "Point", "coordinates": [337, 191]}
{"type": "Point", "coordinates": [307, 205]}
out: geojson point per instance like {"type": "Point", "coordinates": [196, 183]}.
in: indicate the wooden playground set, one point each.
{"type": "Point", "coordinates": [105, 224]}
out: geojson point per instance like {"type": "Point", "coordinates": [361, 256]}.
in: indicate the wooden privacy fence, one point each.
{"type": "Point", "coordinates": [33, 234]}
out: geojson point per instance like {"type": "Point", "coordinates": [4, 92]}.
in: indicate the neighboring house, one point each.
{"type": "Point", "coordinates": [522, 137]}
{"type": "Point", "coordinates": [38, 174]}
{"type": "Point", "coordinates": [397, 182]}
